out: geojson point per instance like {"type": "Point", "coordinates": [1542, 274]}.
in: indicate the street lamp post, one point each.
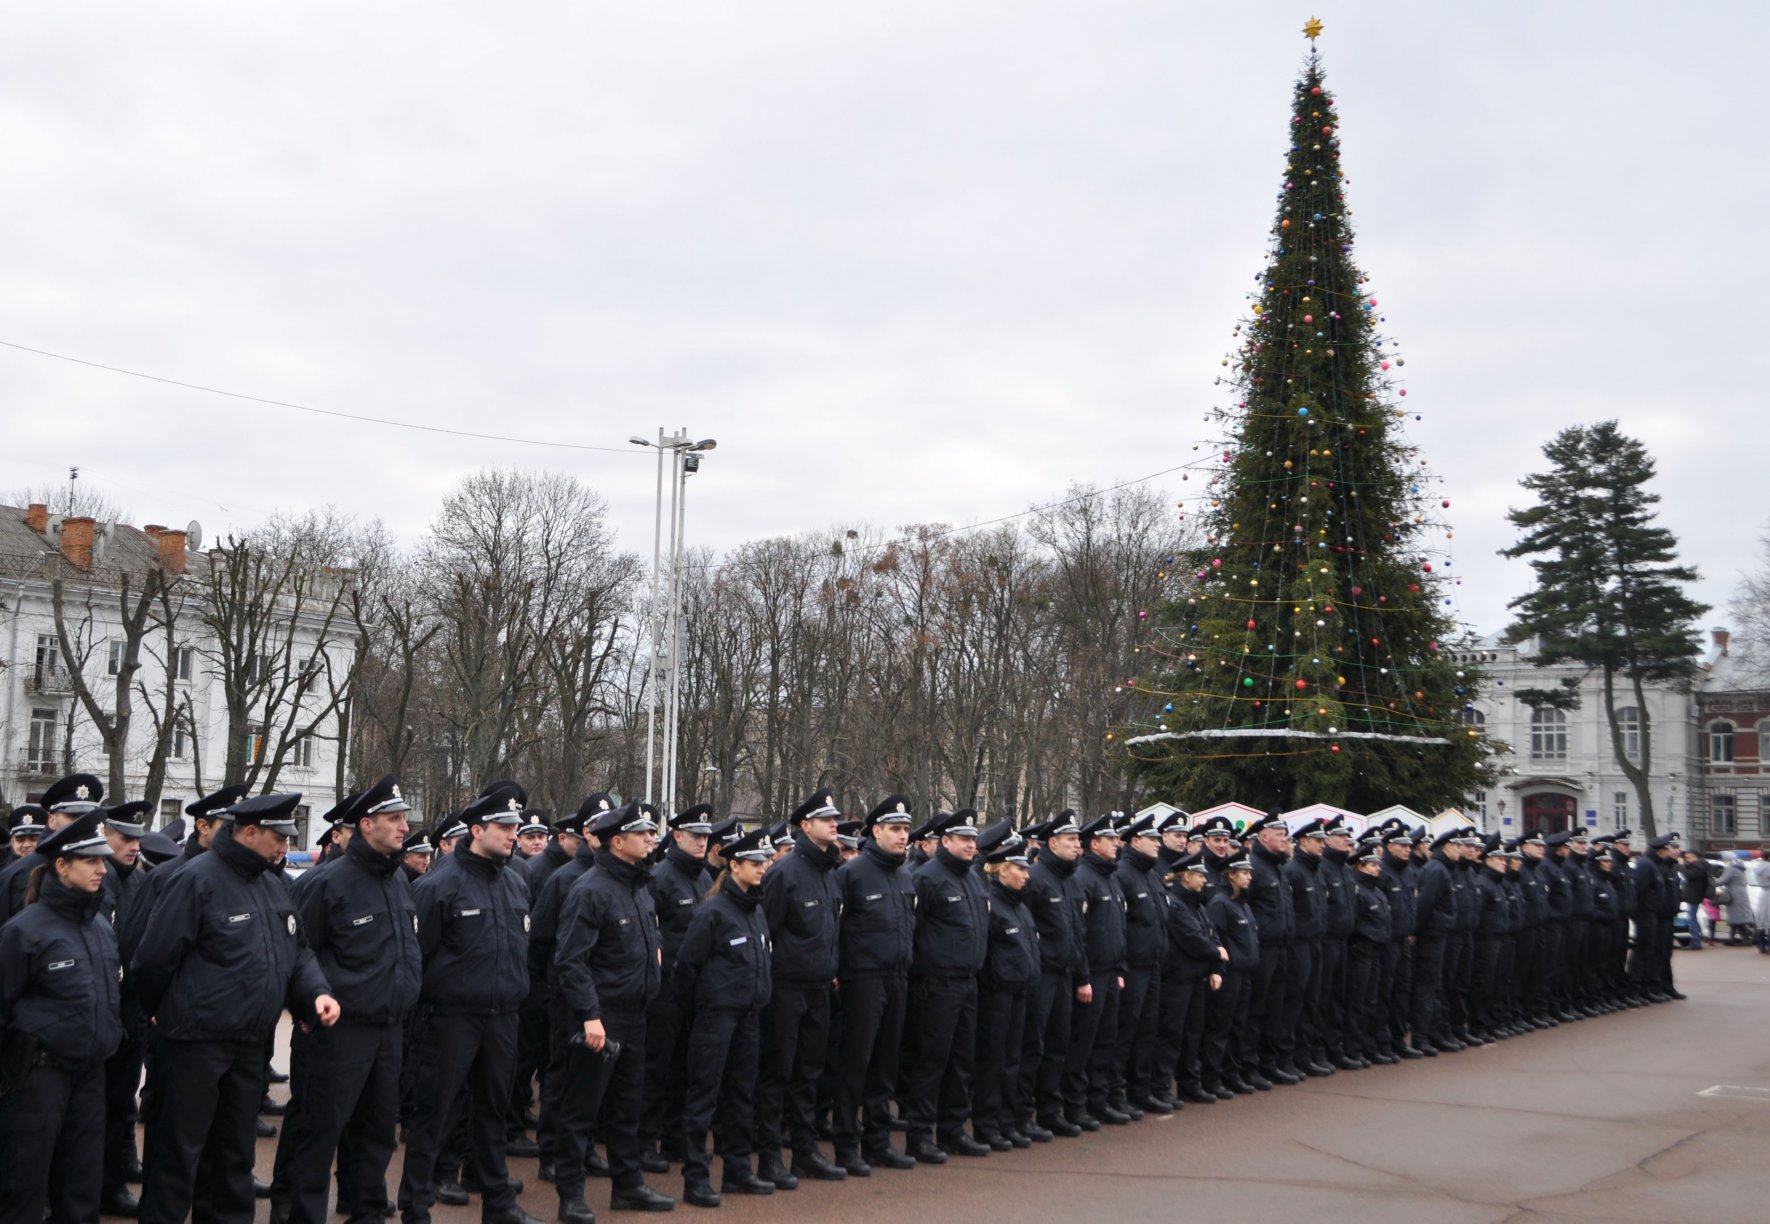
{"type": "Point", "coordinates": [684, 458]}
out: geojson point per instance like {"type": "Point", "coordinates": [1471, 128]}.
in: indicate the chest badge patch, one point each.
{"type": "Point", "coordinates": [291, 921]}
{"type": "Point", "coordinates": [525, 922]}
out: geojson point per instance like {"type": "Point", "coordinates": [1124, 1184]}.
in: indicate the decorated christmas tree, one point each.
{"type": "Point", "coordinates": [1305, 653]}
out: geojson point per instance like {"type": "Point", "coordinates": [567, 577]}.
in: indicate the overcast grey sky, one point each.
{"type": "Point", "coordinates": [907, 262]}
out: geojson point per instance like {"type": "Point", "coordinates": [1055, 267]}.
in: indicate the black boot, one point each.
{"type": "Point", "coordinates": [575, 1211]}
{"type": "Point", "coordinates": [639, 1198]}
{"type": "Point", "coordinates": [119, 1202]}
{"type": "Point", "coordinates": [699, 1194]}
{"type": "Point", "coordinates": [739, 1179]}
{"type": "Point", "coordinates": [770, 1168]}
{"type": "Point", "coordinates": [812, 1165]}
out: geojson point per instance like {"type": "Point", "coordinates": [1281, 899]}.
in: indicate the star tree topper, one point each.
{"type": "Point", "coordinates": [1312, 28]}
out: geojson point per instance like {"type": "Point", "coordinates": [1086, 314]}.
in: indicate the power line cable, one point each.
{"type": "Point", "coordinates": [347, 416]}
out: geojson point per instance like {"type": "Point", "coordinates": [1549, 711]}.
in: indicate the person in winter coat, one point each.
{"type": "Point", "coordinates": [1759, 877]}
{"type": "Point", "coordinates": [721, 980]}
{"type": "Point", "coordinates": [1734, 902]}
{"type": "Point", "coordinates": [1699, 886]}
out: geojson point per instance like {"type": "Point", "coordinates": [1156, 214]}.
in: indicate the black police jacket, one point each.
{"type": "Point", "coordinates": [1192, 938]}
{"type": "Point", "coordinates": [1604, 898]}
{"type": "Point", "coordinates": [1649, 883]}
{"type": "Point", "coordinates": [723, 963]}
{"type": "Point", "coordinates": [1337, 888]}
{"type": "Point", "coordinates": [1234, 921]}
{"type": "Point", "coordinates": [59, 976]}
{"type": "Point", "coordinates": [1623, 880]}
{"type": "Point", "coordinates": [1462, 880]}
{"type": "Point", "coordinates": [952, 918]}
{"type": "Point", "coordinates": [1372, 923]}
{"type": "Point", "coordinates": [1104, 918]}
{"type": "Point", "coordinates": [1535, 891]}
{"type": "Point", "coordinates": [1302, 875]}
{"type": "Point", "coordinates": [120, 886]}
{"type": "Point", "coordinates": [1560, 893]}
{"type": "Point", "coordinates": [1514, 898]}
{"type": "Point", "coordinates": [609, 954]}
{"type": "Point", "coordinates": [1398, 889]}
{"type": "Point", "coordinates": [1670, 894]}
{"type": "Point", "coordinates": [361, 922]}
{"type": "Point", "coordinates": [473, 929]}
{"type": "Point", "coordinates": [1146, 910]}
{"type": "Point", "coordinates": [1012, 964]}
{"type": "Point", "coordinates": [1436, 899]}
{"type": "Point", "coordinates": [1270, 898]}
{"type": "Point", "coordinates": [678, 884]}
{"type": "Point", "coordinates": [878, 893]}
{"type": "Point", "coordinates": [1495, 910]}
{"type": "Point", "coordinates": [544, 920]}
{"type": "Point", "coordinates": [1579, 884]}
{"type": "Point", "coordinates": [803, 902]}
{"type": "Point", "coordinates": [141, 904]}
{"type": "Point", "coordinates": [536, 871]}
{"type": "Point", "coordinates": [223, 953]}
{"type": "Point", "coordinates": [1054, 895]}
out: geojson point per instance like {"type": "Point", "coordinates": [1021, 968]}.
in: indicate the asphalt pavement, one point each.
{"type": "Point", "coordinates": [1660, 1113]}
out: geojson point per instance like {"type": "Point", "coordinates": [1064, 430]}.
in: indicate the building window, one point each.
{"type": "Point", "coordinates": [1723, 820]}
{"type": "Point", "coordinates": [1548, 734]}
{"type": "Point", "coordinates": [1628, 725]}
{"type": "Point", "coordinates": [48, 661]}
{"type": "Point", "coordinates": [301, 815]}
{"type": "Point", "coordinates": [41, 754]}
{"type": "Point", "coordinates": [114, 664]}
{"type": "Point", "coordinates": [301, 753]}
{"type": "Point", "coordinates": [1478, 806]}
{"type": "Point", "coordinates": [1721, 742]}
{"type": "Point", "coordinates": [169, 811]}
{"type": "Point", "coordinates": [1473, 717]}
{"type": "Point", "coordinates": [255, 745]}
{"type": "Point", "coordinates": [181, 741]}
{"type": "Point", "coordinates": [1764, 743]}
{"type": "Point", "coordinates": [1619, 809]}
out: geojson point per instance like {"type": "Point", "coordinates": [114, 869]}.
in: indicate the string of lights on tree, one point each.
{"type": "Point", "coordinates": [1312, 619]}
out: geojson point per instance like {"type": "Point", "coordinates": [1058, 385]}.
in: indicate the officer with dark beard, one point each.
{"type": "Point", "coordinates": [878, 897]}
{"type": "Point", "coordinates": [803, 901]}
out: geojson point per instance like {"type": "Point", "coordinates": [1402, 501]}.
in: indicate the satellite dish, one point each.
{"type": "Point", "coordinates": [193, 535]}
{"type": "Point", "coordinates": [52, 528]}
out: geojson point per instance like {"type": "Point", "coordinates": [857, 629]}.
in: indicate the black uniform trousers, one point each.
{"type": "Point", "coordinates": [122, 1077]}
{"type": "Point", "coordinates": [942, 1047]}
{"type": "Point", "coordinates": [1546, 978]}
{"type": "Point", "coordinates": [720, 1091]}
{"type": "Point", "coordinates": [1429, 958]}
{"type": "Point", "coordinates": [1488, 982]}
{"type": "Point", "coordinates": [1139, 1012]}
{"type": "Point", "coordinates": [1302, 1000]}
{"type": "Point", "coordinates": [575, 1101]}
{"type": "Point", "coordinates": [1266, 1003]}
{"type": "Point", "coordinates": [201, 1132]}
{"type": "Point", "coordinates": [50, 1126]}
{"type": "Point", "coordinates": [1453, 990]}
{"type": "Point", "coordinates": [666, 1055]}
{"type": "Point", "coordinates": [873, 1010]}
{"type": "Point", "coordinates": [343, 1099]}
{"type": "Point", "coordinates": [1365, 1022]}
{"type": "Point", "coordinates": [1573, 962]}
{"type": "Point", "coordinates": [1524, 946]}
{"type": "Point", "coordinates": [1049, 1013]}
{"type": "Point", "coordinates": [531, 1057]}
{"type": "Point", "coordinates": [1180, 1032]}
{"type": "Point", "coordinates": [1228, 1039]}
{"type": "Point", "coordinates": [1093, 1046]}
{"type": "Point", "coordinates": [1332, 1029]}
{"type": "Point", "coordinates": [475, 1051]}
{"type": "Point", "coordinates": [795, 1042]}
{"type": "Point", "coordinates": [1398, 990]}
{"type": "Point", "coordinates": [1001, 1038]}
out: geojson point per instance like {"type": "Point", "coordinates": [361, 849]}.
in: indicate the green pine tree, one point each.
{"type": "Point", "coordinates": [1307, 653]}
{"type": "Point", "coordinates": [1609, 592]}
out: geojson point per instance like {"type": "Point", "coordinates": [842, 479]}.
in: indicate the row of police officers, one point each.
{"type": "Point", "coordinates": [675, 993]}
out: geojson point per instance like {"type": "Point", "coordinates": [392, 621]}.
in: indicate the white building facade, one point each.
{"type": "Point", "coordinates": [45, 731]}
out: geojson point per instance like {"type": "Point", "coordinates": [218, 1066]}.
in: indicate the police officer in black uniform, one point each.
{"type": "Point", "coordinates": [72, 796]}
{"type": "Point", "coordinates": [608, 962]}
{"type": "Point", "coordinates": [1373, 927]}
{"type": "Point", "coordinates": [1337, 1048]}
{"type": "Point", "coordinates": [21, 839]}
{"type": "Point", "coordinates": [1146, 947]}
{"type": "Point", "coordinates": [1230, 1051]}
{"type": "Point", "coordinates": [803, 901]}
{"type": "Point", "coordinates": [1301, 1032]}
{"type": "Point", "coordinates": [1010, 971]}
{"type": "Point", "coordinates": [952, 939]}
{"type": "Point", "coordinates": [473, 929]}
{"type": "Point", "coordinates": [1269, 898]}
{"type": "Point", "coordinates": [416, 855]}
{"type": "Point", "coordinates": [878, 900]}
{"type": "Point", "coordinates": [360, 921]}
{"type": "Point", "coordinates": [221, 958]}
{"type": "Point", "coordinates": [1058, 905]}
{"type": "Point", "coordinates": [1093, 1031]}
{"type": "Point", "coordinates": [59, 1021]}
{"type": "Point", "coordinates": [721, 979]}
{"type": "Point", "coordinates": [678, 883]}
{"type": "Point", "coordinates": [561, 845]}
{"type": "Point", "coordinates": [1193, 968]}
